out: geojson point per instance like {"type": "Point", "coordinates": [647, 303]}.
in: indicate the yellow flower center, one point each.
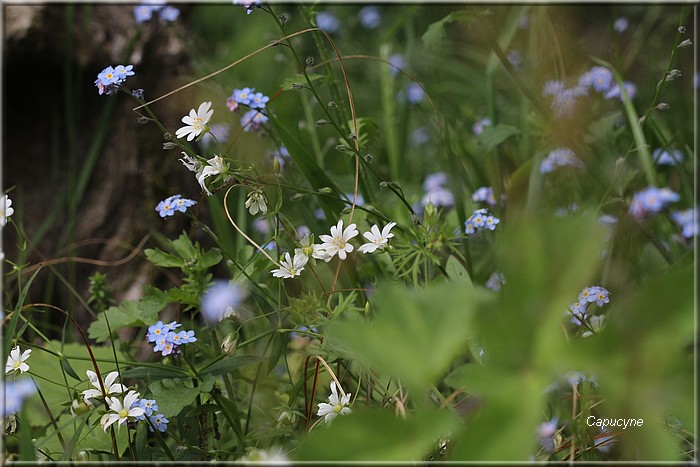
{"type": "Point", "coordinates": [17, 364]}
{"type": "Point", "coordinates": [123, 413]}
{"type": "Point", "coordinates": [337, 408]}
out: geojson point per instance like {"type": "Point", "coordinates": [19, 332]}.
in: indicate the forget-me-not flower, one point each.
{"type": "Point", "coordinates": [221, 300]}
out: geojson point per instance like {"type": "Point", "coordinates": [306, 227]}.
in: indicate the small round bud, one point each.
{"type": "Point", "coordinates": [369, 158]}
{"type": "Point", "coordinates": [325, 190]}
{"type": "Point", "coordinates": [298, 86]}
{"type": "Point", "coordinates": [383, 185]}
{"type": "Point", "coordinates": [283, 18]}
{"type": "Point", "coordinates": [663, 106]}
{"type": "Point", "coordinates": [321, 122]}
{"type": "Point", "coordinates": [296, 196]}
{"type": "Point", "coordinates": [169, 145]}
{"type": "Point", "coordinates": [332, 105]}
{"type": "Point", "coordinates": [685, 43]}
{"type": "Point", "coordinates": [309, 61]}
{"type": "Point", "coordinates": [682, 29]}
{"type": "Point", "coordinates": [342, 148]}
{"type": "Point", "coordinates": [138, 94]}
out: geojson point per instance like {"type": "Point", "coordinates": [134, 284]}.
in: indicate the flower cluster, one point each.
{"type": "Point", "coordinates": [16, 361]}
{"type": "Point", "coordinates": [109, 79]}
{"type": "Point", "coordinates": [601, 79]}
{"type": "Point", "coordinates": [165, 338]}
{"type": "Point", "coordinates": [337, 243]}
{"type": "Point", "coordinates": [255, 101]}
{"type": "Point", "coordinates": [168, 206]}
{"type": "Point", "coordinates": [110, 387]}
{"type": "Point", "coordinates": [436, 192]}
{"type": "Point", "coordinates": [651, 200]}
{"type": "Point", "coordinates": [579, 313]}
{"type": "Point", "coordinates": [687, 220]}
{"type": "Point", "coordinates": [485, 194]}
{"type": "Point", "coordinates": [150, 407]}
{"type": "Point", "coordinates": [479, 220]}
{"type": "Point", "coordinates": [144, 12]}
{"type": "Point", "coordinates": [560, 157]}
{"type": "Point", "coordinates": [563, 99]}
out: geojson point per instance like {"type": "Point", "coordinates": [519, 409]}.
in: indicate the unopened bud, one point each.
{"type": "Point", "coordinates": [368, 158]}
{"type": "Point", "coordinates": [321, 122]}
{"type": "Point", "coordinates": [342, 148]}
{"type": "Point", "coordinates": [142, 120]}
{"type": "Point", "coordinates": [682, 29]}
{"type": "Point", "coordinates": [352, 136]}
{"type": "Point", "coordinates": [325, 190]}
{"type": "Point", "coordinates": [663, 106]}
{"type": "Point", "coordinates": [169, 145]}
{"type": "Point", "coordinates": [309, 61]}
{"type": "Point", "coordinates": [138, 94]}
{"type": "Point", "coordinates": [298, 86]}
{"type": "Point", "coordinates": [296, 196]}
{"type": "Point", "coordinates": [332, 105]}
{"type": "Point", "coordinates": [276, 165]}
{"type": "Point", "coordinates": [229, 344]}
{"type": "Point", "coordinates": [685, 43]}
{"type": "Point", "coordinates": [642, 119]}
{"type": "Point", "coordinates": [283, 18]}
{"type": "Point", "coordinates": [383, 185]}
{"type": "Point", "coordinates": [167, 137]}
{"type": "Point", "coordinates": [673, 74]}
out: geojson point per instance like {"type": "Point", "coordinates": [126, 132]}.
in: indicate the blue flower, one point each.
{"type": "Point", "coordinates": [160, 422]}
{"type": "Point", "coordinates": [439, 197]}
{"type": "Point", "coordinates": [621, 24]}
{"type": "Point", "coordinates": [258, 100]}
{"type": "Point", "coordinates": [186, 337]}
{"type": "Point", "coordinates": [667, 157]}
{"type": "Point", "coordinates": [651, 200]}
{"type": "Point", "coordinates": [615, 91]}
{"type": "Point", "coordinates": [553, 87]}
{"type": "Point", "coordinates": [599, 77]}
{"type": "Point", "coordinates": [515, 58]}
{"type": "Point", "coordinates": [168, 206]}
{"type": "Point", "coordinates": [560, 157]}
{"type": "Point", "coordinates": [110, 78]}
{"type": "Point", "coordinates": [15, 393]}
{"type": "Point", "coordinates": [686, 220]}
{"type": "Point", "coordinates": [252, 120]}
{"type": "Point", "coordinates": [420, 136]}
{"type": "Point", "coordinates": [282, 155]}
{"type": "Point", "coordinates": [249, 6]}
{"type": "Point", "coordinates": [327, 21]}
{"type": "Point", "coordinates": [123, 72]}
{"type": "Point", "coordinates": [414, 93]}
{"type": "Point", "coordinates": [243, 96]}
{"type": "Point", "coordinates": [479, 126]}
{"type": "Point", "coordinates": [156, 331]}
{"type": "Point", "coordinates": [435, 181]}
{"type": "Point", "coordinates": [564, 103]}
{"type": "Point", "coordinates": [398, 61]}
{"type": "Point", "coordinates": [370, 17]}
{"type": "Point", "coordinates": [495, 281]}
{"type": "Point", "coordinates": [484, 194]}
{"type": "Point", "coordinates": [545, 434]}
{"type": "Point", "coordinates": [171, 326]}
{"type": "Point", "coordinates": [143, 13]}
{"type": "Point", "coordinates": [148, 405]}
{"type": "Point", "coordinates": [169, 13]}
{"type": "Point", "coordinates": [221, 301]}
{"type": "Point", "coordinates": [359, 200]}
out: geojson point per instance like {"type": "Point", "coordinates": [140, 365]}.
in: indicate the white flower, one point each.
{"type": "Point", "coordinates": [121, 412]}
{"type": "Point", "coordinates": [291, 268]}
{"type": "Point", "coordinates": [6, 209]}
{"type": "Point", "coordinates": [256, 202]}
{"type": "Point", "coordinates": [196, 122]}
{"type": "Point", "coordinates": [192, 164]}
{"type": "Point", "coordinates": [110, 386]}
{"type": "Point", "coordinates": [377, 240]}
{"type": "Point", "coordinates": [337, 241]}
{"type": "Point", "coordinates": [308, 248]}
{"type": "Point", "coordinates": [16, 359]}
{"type": "Point", "coordinates": [334, 406]}
{"type": "Point", "coordinates": [215, 166]}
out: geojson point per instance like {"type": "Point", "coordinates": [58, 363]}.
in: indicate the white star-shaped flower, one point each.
{"type": "Point", "coordinates": [338, 241]}
{"type": "Point", "coordinates": [121, 412]}
{"type": "Point", "coordinates": [310, 249]}
{"type": "Point", "coordinates": [334, 406]}
{"type": "Point", "coordinates": [216, 165]}
{"type": "Point", "coordinates": [377, 239]}
{"type": "Point", "coordinates": [16, 359]}
{"type": "Point", "coordinates": [196, 122]}
{"type": "Point", "coordinates": [289, 267]}
{"type": "Point", "coordinates": [110, 386]}
{"type": "Point", "coordinates": [6, 209]}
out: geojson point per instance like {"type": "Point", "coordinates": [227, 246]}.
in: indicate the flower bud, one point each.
{"type": "Point", "coordinates": [325, 190]}
{"type": "Point", "coordinates": [332, 105]}
{"type": "Point", "coordinates": [309, 61]}
{"type": "Point", "coordinates": [682, 29]}
{"type": "Point", "coordinates": [663, 106]}
{"type": "Point", "coordinates": [321, 122]}
{"type": "Point", "coordinates": [229, 344]}
{"type": "Point", "coordinates": [142, 120]}
{"type": "Point", "coordinates": [685, 43]}
{"type": "Point", "coordinates": [169, 145]}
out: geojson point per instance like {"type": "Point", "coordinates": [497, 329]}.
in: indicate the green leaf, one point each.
{"type": "Point", "coordinates": [434, 36]}
{"type": "Point", "coordinates": [153, 373]}
{"type": "Point", "coordinates": [492, 136]}
{"type": "Point", "coordinates": [377, 436]}
{"type": "Point", "coordinates": [184, 247]}
{"type": "Point", "coordinates": [229, 364]}
{"type": "Point", "coordinates": [163, 259]}
{"type": "Point", "coordinates": [279, 344]}
{"type": "Point", "coordinates": [88, 437]}
{"type": "Point", "coordinates": [299, 79]}
{"type": "Point", "coordinates": [416, 334]}
{"type": "Point", "coordinates": [209, 258]}
{"type": "Point", "coordinates": [457, 272]}
{"type": "Point", "coordinates": [175, 394]}
{"type": "Point", "coordinates": [130, 313]}
{"type": "Point", "coordinates": [69, 369]}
